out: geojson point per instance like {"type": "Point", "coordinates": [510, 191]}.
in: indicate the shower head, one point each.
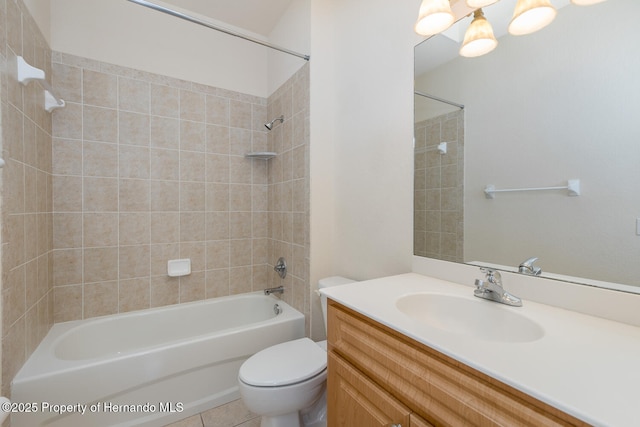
{"type": "Point", "coordinates": [270, 124]}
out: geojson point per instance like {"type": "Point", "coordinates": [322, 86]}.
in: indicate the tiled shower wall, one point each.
{"type": "Point", "coordinates": [438, 186]}
{"type": "Point", "coordinates": [289, 189]}
{"type": "Point", "coordinates": [147, 169]}
{"type": "Point", "coordinates": [27, 300]}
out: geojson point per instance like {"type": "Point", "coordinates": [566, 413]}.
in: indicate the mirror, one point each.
{"type": "Point", "coordinates": [541, 109]}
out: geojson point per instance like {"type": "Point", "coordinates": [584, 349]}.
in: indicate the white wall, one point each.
{"type": "Point", "coordinates": [292, 33]}
{"type": "Point", "coordinates": [124, 33]}
{"type": "Point", "coordinates": [361, 137]}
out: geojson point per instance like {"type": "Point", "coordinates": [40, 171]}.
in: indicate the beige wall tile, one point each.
{"type": "Point", "coordinates": [217, 110]}
{"type": "Point", "coordinates": [217, 139]}
{"type": "Point", "coordinates": [165, 132]}
{"type": "Point", "coordinates": [100, 229]}
{"type": "Point", "coordinates": [192, 136]}
{"type": "Point", "coordinates": [196, 252]}
{"type": "Point", "coordinates": [217, 197]}
{"type": "Point", "coordinates": [13, 187]}
{"type": "Point", "coordinates": [164, 291]}
{"type": "Point", "coordinates": [99, 89]}
{"type": "Point", "coordinates": [217, 283]}
{"type": "Point", "coordinates": [241, 253]}
{"type": "Point", "coordinates": [133, 95]}
{"type": "Point", "coordinates": [133, 128]}
{"type": "Point", "coordinates": [165, 196]}
{"type": "Point", "coordinates": [100, 299]}
{"type": "Point", "coordinates": [67, 157]}
{"type": "Point", "coordinates": [100, 159]}
{"type": "Point", "coordinates": [134, 294]}
{"type": "Point", "coordinates": [192, 226]}
{"type": "Point", "coordinates": [217, 168]}
{"type": "Point", "coordinates": [192, 106]}
{"type": "Point", "coordinates": [165, 227]}
{"type": "Point", "coordinates": [192, 166]}
{"type": "Point", "coordinates": [160, 254]}
{"type": "Point", "coordinates": [240, 114]}
{"type": "Point", "coordinates": [239, 170]}
{"type": "Point", "coordinates": [134, 228]}
{"type": "Point", "coordinates": [192, 287]}
{"type": "Point", "coordinates": [135, 261]}
{"type": "Point", "coordinates": [99, 124]}
{"type": "Point", "coordinates": [240, 225]}
{"type": "Point", "coordinates": [13, 296]}
{"type": "Point", "coordinates": [67, 267]}
{"type": "Point", "coordinates": [100, 194]}
{"type": "Point", "coordinates": [192, 196]}
{"type": "Point", "coordinates": [217, 226]}
{"type": "Point", "coordinates": [164, 164]}
{"type": "Point", "coordinates": [165, 101]}
{"type": "Point", "coordinates": [133, 162]}
{"type": "Point", "coordinates": [67, 121]}
{"type": "Point", "coordinates": [68, 82]}
{"type": "Point", "coordinates": [240, 280]}
{"type": "Point", "coordinates": [67, 230]}
{"type": "Point", "coordinates": [217, 254]}
{"type": "Point", "coordinates": [100, 264]}
{"type": "Point", "coordinates": [67, 303]}
{"type": "Point", "coordinates": [67, 194]}
{"type": "Point", "coordinates": [240, 141]}
{"type": "Point", "coordinates": [134, 195]}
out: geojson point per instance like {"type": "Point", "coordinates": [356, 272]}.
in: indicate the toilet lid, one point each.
{"type": "Point", "coordinates": [284, 364]}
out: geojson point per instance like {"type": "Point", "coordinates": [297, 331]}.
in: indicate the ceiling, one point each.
{"type": "Point", "coordinates": [257, 16]}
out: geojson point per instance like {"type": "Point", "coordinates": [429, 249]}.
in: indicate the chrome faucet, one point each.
{"type": "Point", "coordinates": [527, 267]}
{"type": "Point", "coordinates": [278, 290]}
{"type": "Point", "coordinates": [492, 289]}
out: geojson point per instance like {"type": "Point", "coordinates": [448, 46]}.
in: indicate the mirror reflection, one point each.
{"type": "Point", "coordinates": [539, 110]}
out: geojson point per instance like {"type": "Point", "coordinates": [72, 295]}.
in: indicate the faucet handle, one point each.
{"type": "Point", "coordinates": [493, 276]}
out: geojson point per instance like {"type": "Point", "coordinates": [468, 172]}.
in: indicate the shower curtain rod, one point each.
{"type": "Point", "coordinates": [435, 98]}
{"type": "Point", "coordinates": [213, 27]}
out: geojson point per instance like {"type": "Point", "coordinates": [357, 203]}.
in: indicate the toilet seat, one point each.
{"type": "Point", "coordinates": [284, 364]}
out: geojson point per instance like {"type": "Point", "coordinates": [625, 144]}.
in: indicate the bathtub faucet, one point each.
{"type": "Point", "coordinates": [278, 290]}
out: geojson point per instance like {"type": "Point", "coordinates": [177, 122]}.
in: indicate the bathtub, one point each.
{"type": "Point", "coordinates": [150, 367]}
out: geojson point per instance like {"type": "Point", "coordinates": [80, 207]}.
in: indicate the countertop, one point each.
{"type": "Point", "coordinates": [585, 366]}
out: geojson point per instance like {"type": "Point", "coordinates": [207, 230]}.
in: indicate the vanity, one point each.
{"type": "Point", "coordinates": [394, 360]}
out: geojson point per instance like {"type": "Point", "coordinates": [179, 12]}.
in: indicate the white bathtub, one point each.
{"type": "Point", "coordinates": [152, 366]}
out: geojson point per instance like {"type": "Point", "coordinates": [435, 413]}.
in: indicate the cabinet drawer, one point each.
{"type": "Point", "coordinates": [441, 390]}
{"type": "Point", "coordinates": [356, 401]}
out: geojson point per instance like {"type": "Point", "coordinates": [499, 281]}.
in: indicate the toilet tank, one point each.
{"type": "Point", "coordinates": [329, 282]}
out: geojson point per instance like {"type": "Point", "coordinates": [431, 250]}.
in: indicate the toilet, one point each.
{"type": "Point", "coordinates": [285, 383]}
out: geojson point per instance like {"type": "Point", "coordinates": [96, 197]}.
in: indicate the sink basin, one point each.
{"type": "Point", "coordinates": [470, 316]}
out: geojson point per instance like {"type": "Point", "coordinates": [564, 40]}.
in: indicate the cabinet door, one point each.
{"type": "Point", "coordinates": [416, 421]}
{"type": "Point", "coordinates": [355, 400]}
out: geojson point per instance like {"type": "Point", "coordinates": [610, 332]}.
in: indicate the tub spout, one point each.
{"type": "Point", "coordinates": [278, 290]}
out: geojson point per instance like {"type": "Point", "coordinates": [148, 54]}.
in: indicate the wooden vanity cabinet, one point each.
{"type": "Point", "coordinates": [379, 377]}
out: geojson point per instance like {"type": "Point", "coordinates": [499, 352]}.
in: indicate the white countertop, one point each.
{"type": "Point", "coordinates": [586, 366]}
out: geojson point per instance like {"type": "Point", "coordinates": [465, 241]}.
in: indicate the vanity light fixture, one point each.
{"type": "Point", "coordinates": [479, 38]}
{"type": "Point", "coordinates": [434, 17]}
{"type": "Point", "coordinates": [530, 16]}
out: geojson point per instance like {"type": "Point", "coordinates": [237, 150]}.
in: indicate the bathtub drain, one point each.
{"type": "Point", "coordinates": [277, 309]}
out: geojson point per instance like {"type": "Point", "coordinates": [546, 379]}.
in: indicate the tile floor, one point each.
{"type": "Point", "coordinates": [233, 414]}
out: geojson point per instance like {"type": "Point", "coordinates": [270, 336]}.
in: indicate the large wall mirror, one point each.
{"type": "Point", "coordinates": [540, 110]}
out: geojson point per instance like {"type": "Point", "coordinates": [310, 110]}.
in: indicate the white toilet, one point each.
{"type": "Point", "coordinates": [285, 383]}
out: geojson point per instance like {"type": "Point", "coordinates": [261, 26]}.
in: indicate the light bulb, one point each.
{"type": "Point", "coordinates": [531, 15]}
{"type": "Point", "coordinates": [435, 16]}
